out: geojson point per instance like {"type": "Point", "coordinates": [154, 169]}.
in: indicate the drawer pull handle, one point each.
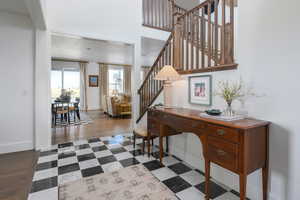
{"type": "Point", "coordinates": [220, 132]}
{"type": "Point", "coordinates": [221, 153]}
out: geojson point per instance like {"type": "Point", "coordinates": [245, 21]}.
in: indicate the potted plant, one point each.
{"type": "Point", "coordinates": [230, 91]}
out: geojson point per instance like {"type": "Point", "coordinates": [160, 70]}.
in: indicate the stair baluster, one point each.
{"type": "Point", "coordinates": [198, 43]}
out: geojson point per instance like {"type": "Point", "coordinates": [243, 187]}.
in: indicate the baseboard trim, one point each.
{"type": "Point", "coordinates": [16, 146]}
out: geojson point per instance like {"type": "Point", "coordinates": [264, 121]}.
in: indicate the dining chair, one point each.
{"type": "Point", "coordinates": [142, 132]}
{"type": "Point", "coordinates": [61, 109]}
{"type": "Point", "coordinates": [74, 109]}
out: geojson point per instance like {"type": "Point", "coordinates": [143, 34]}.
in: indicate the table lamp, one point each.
{"type": "Point", "coordinates": [167, 74]}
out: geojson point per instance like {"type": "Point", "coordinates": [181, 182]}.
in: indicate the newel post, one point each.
{"type": "Point", "coordinates": [177, 42]}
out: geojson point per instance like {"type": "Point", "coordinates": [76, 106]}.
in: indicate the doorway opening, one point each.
{"type": "Point", "coordinates": [90, 94]}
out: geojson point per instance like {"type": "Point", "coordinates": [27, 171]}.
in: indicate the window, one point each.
{"type": "Point", "coordinates": [71, 82]}
{"type": "Point", "coordinates": [56, 83]}
{"type": "Point", "coordinates": [68, 79]}
{"type": "Point", "coordinates": [116, 81]}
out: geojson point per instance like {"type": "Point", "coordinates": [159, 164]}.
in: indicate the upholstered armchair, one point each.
{"type": "Point", "coordinates": [118, 105]}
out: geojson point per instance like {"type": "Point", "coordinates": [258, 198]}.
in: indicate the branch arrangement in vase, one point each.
{"type": "Point", "coordinates": [230, 91]}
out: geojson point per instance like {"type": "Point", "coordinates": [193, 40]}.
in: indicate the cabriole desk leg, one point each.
{"type": "Point", "coordinates": [207, 177]}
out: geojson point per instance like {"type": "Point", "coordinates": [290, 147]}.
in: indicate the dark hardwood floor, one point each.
{"type": "Point", "coordinates": [16, 170]}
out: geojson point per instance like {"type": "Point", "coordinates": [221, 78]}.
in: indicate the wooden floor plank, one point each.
{"type": "Point", "coordinates": [102, 125]}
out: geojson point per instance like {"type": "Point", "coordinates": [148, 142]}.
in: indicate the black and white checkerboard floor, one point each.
{"type": "Point", "coordinates": [71, 161]}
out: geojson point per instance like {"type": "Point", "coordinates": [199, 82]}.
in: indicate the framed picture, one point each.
{"type": "Point", "coordinates": [93, 80]}
{"type": "Point", "coordinates": [200, 90]}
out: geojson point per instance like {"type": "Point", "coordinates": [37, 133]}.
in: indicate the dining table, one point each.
{"type": "Point", "coordinates": [68, 106]}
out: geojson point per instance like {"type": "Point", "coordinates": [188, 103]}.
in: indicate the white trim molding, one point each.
{"type": "Point", "coordinates": [16, 146]}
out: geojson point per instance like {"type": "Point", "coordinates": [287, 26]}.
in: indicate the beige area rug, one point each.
{"type": "Point", "coordinates": [131, 183]}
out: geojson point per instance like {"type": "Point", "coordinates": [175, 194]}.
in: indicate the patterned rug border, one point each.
{"type": "Point", "coordinates": [124, 182]}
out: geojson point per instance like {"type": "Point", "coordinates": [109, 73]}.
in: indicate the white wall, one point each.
{"type": "Point", "coordinates": [42, 103]}
{"type": "Point", "coordinates": [267, 49]}
{"type": "Point", "coordinates": [148, 61]}
{"type": "Point", "coordinates": [16, 82]}
{"type": "Point", "coordinates": [93, 93]}
{"type": "Point", "coordinates": [112, 20]}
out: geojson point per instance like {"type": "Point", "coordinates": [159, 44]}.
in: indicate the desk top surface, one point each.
{"type": "Point", "coordinates": [246, 123]}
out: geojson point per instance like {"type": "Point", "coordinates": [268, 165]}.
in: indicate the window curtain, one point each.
{"type": "Point", "coordinates": [83, 87]}
{"type": "Point", "coordinates": [127, 80]}
{"type": "Point", "coordinates": [103, 74]}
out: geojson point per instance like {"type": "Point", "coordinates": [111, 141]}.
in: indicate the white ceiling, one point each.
{"type": "Point", "coordinates": [14, 6]}
{"type": "Point", "coordinates": [74, 47]}
{"type": "Point", "coordinates": [92, 50]}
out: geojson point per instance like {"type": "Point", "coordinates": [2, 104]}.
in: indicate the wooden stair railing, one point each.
{"type": "Point", "coordinates": [159, 14]}
{"type": "Point", "coordinates": [151, 88]}
{"type": "Point", "coordinates": [202, 40]}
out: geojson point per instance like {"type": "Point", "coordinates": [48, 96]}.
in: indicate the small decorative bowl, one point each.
{"type": "Point", "coordinates": [214, 112]}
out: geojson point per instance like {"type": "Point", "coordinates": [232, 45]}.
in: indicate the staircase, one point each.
{"type": "Point", "coordinates": [201, 40]}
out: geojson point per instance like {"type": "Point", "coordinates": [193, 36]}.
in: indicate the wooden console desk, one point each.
{"type": "Point", "coordinates": [240, 146]}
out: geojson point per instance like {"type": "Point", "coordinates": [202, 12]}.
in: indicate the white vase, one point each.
{"type": "Point", "coordinates": [229, 111]}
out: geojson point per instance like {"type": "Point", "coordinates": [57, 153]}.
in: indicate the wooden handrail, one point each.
{"type": "Point", "coordinates": [156, 60]}
{"type": "Point", "coordinates": [150, 87]}
{"type": "Point", "coordinates": [179, 10]}
{"type": "Point", "coordinates": [151, 102]}
{"type": "Point", "coordinates": [203, 38]}
{"type": "Point", "coordinates": [201, 5]}
{"type": "Point", "coordinates": [212, 23]}
{"type": "Point", "coordinates": [159, 14]}
{"type": "Point", "coordinates": [231, 66]}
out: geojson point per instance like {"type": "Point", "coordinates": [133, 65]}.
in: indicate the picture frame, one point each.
{"type": "Point", "coordinates": [93, 81]}
{"type": "Point", "coordinates": [200, 90]}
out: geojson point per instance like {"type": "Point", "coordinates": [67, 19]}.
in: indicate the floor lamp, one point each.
{"type": "Point", "coordinates": [167, 74]}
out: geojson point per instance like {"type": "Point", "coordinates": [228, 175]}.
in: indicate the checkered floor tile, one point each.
{"type": "Point", "coordinates": [71, 161]}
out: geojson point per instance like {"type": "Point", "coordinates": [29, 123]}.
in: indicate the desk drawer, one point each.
{"type": "Point", "coordinates": [223, 133]}
{"type": "Point", "coordinates": [223, 153]}
{"type": "Point", "coordinates": [183, 124]}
